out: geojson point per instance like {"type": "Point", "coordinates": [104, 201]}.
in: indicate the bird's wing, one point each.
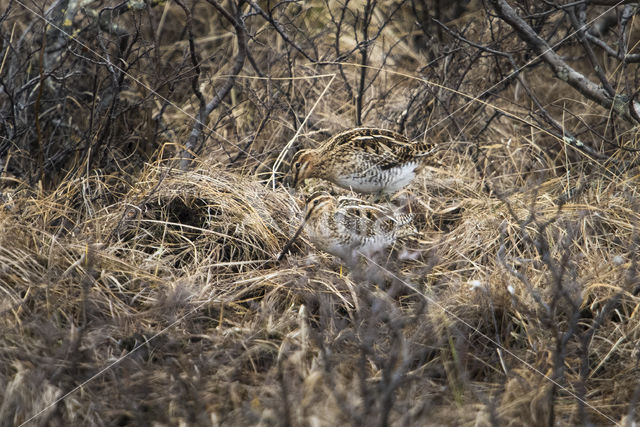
{"type": "Point", "coordinates": [386, 148]}
{"type": "Point", "coordinates": [365, 135]}
{"type": "Point", "coordinates": [365, 219]}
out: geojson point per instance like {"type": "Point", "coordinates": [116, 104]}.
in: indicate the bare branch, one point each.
{"type": "Point", "coordinates": [561, 69]}
{"type": "Point", "coordinates": [279, 29]}
{"type": "Point", "coordinates": [206, 109]}
{"type": "Point", "coordinates": [627, 58]}
{"type": "Point", "coordinates": [579, 26]}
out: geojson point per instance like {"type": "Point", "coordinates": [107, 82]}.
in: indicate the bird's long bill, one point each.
{"type": "Point", "coordinates": [294, 179]}
{"type": "Point", "coordinates": [288, 245]}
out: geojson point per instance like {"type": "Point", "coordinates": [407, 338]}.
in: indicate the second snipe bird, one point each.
{"type": "Point", "coordinates": [349, 227]}
{"type": "Point", "coordinates": [365, 160]}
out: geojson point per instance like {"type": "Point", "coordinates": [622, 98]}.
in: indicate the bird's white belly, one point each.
{"type": "Point", "coordinates": [349, 245]}
{"type": "Point", "coordinates": [380, 181]}
{"type": "Point", "coordinates": [326, 242]}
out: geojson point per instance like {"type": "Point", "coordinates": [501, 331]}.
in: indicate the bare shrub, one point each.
{"type": "Point", "coordinates": [143, 199]}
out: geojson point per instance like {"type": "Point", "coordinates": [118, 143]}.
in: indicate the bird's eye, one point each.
{"type": "Point", "coordinates": [296, 165]}
{"type": "Point", "coordinates": [315, 202]}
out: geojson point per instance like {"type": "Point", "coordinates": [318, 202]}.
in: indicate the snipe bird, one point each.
{"type": "Point", "coordinates": [365, 160]}
{"type": "Point", "coordinates": [348, 227]}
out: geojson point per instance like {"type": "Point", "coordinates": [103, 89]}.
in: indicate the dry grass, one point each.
{"type": "Point", "coordinates": [152, 296]}
{"type": "Point", "coordinates": [232, 335]}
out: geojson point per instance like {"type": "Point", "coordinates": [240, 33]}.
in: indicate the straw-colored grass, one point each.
{"type": "Point", "coordinates": [139, 293]}
{"type": "Point", "coordinates": [189, 265]}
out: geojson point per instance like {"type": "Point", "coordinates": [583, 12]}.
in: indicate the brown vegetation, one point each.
{"type": "Point", "coordinates": [137, 247]}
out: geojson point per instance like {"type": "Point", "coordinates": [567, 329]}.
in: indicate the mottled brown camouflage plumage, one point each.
{"type": "Point", "coordinates": [348, 227]}
{"type": "Point", "coordinates": [363, 159]}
